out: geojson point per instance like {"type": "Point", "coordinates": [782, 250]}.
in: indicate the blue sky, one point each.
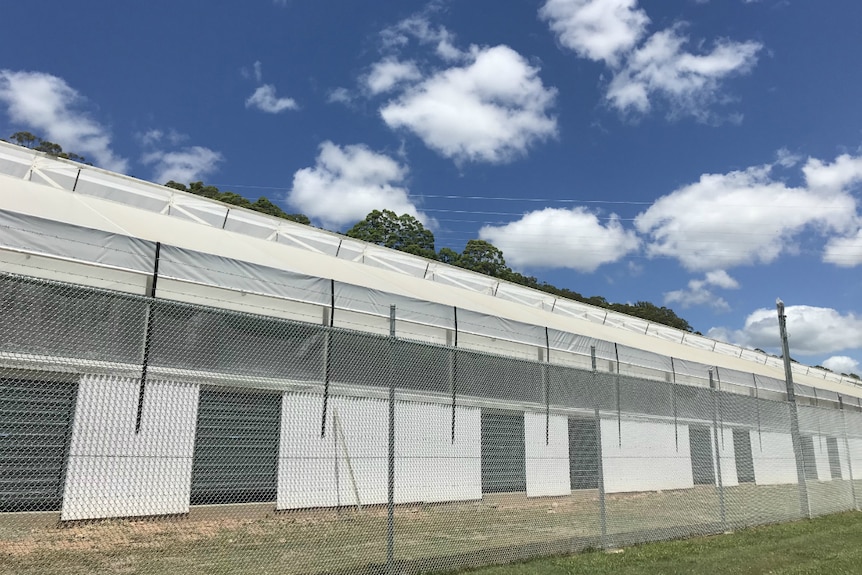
{"type": "Point", "coordinates": [705, 155]}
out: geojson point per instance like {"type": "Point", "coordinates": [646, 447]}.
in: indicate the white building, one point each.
{"type": "Point", "coordinates": [167, 351]}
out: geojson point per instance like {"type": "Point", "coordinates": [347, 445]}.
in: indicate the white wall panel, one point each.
{"type": "Point", "coordinates": [547, 464]}
{"type": "Point", "coordinates": [647, 458]}
{"type": "Point", "coordinates": [115, 472]}
{"type": "Point", "coordinates": [773, 458]}
{"type": "Point", "coordinates": [843, 457]}
{"type": "Point", "coordinates": [855, 445]}
{"type": "Point", "coordinates": [467, 454]}
{"type": "Point", "coordinates": [821, 458]}
{"type": "Point", "coordinates": [428, 466]}
{"type": "Point", "coordinates": [728, 457]}
{"type": "Point", "coordinates": [314, 471]}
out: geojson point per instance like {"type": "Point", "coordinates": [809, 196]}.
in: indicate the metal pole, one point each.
{"type": "Point", "coordinates": [673, 402]}
{"type": "Point", "coordinates": [603, 515]}
{"type": "Point", "coordinates": [715, 431]}
{"type": "Point", "coordinates": [794, 415]}
{"type": "Point", "coordinates": [619, 400]}
{"type": "Point", "coordinates": [453, 371]}
{"type": "Point", "coordinates": [328, 318]}
{"type": "Point", "coordinates": [545, 389]}
{"type": "Point", "coordinates": [390, 521]}
{"type": "Point", "coordinates": [148, 339]}
{"type": "Point", "coordinates": [849, 455]}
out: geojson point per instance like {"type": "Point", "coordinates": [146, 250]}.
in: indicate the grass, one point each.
{"type": "Point", "coordinates": [501, 528]}
{"type": "Point", "coordinates": [828, 545]}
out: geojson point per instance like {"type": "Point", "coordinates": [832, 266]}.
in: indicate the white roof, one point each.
{"type": "Point", "coordinates": [130, 210]}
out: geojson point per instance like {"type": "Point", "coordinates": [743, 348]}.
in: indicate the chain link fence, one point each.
{"type": "Point", "coordinates": [140, 435]}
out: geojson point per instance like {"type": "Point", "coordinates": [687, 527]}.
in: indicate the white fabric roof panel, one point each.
{"type": "Point", "coordinates": [472, 289]}
{"type": "Point", "coordinates": [377, 303]}
{"type": "Point", "coordinates": [578, 310]}
{"type": "Point", "coordinates": [770, 383]}
{"type": "Point", "coordinates": [643, 358]}
{"type": "Point", "coordinates": [402, 263]}
{"type": "Point", "coordinates": [735, 377]}
{"type": "Point", "coordinates": [198, 267]}
{"type": "Point", "coordinates": [692, 368]}
{"type": "Point", "coordinates": [525, 296]}
{"type": "Point", "coordinates": [50, 237]}
{"type": "Point", "coordinates": [826, 394]}
{"type": "Point", "coordinates": [452, 276]}
{"type": "Point", "coordinates": [15, 161]}
{"type": "Point", "coordinates": [581, 344]}
{"type": "Point", "coordinates": [751, 355]}
{"type": "Point", "coordinates": [500, 328]}
{"type": "Point", "coordinates": [664, 332]}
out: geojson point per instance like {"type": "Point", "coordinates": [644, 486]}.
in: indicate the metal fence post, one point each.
{"type": "Point", "coordinates": [390, 519]}
{"type": "Point", "coordinates": [795, 437]}
{"type": "Point", "coordinates": [148, 337]}
{"type": "Point", "coordinates": [603, 514]}
{"type": "Point", "coordinates": [720, 480]}
{"type": "Point", "coordinates": [849, 455]}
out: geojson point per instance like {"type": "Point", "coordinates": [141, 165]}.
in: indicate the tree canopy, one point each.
{"type": "Point", "coordinates": [262, 204]}
{"type": "Point", "coordinates": [485, 258]}
{"type": "Point", "coordinates": [404, 233]}
{"type": "Point", "coordinates": [28, 140]}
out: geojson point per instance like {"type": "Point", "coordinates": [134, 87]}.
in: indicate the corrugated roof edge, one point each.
{"type": "Point", "coordinates": [13, 158]}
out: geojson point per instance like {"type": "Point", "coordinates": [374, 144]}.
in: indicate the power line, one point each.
{"type": "Point", "coordinates": [539, 200]}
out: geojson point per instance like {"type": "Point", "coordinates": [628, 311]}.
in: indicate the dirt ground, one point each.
{"type": "Point", "coordinates": [257, 539]}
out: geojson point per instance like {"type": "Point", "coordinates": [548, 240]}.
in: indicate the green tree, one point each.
{"type": "Point", "coordinates": [28, 140]}
{"type": "Point", "coordinates": [449, 256]}
{"type": "Point", "coordinates": [651, 312]}
{"type": "Point", "coordinates": [262, 204]}
{"type": "Point", "coordinates": [485, 258]}
{"type": "Point", "coordinates": [25, 139]}
{"type": "Point", "coordinates": [49, 148]}
{"type": "Point", "coordinates": [404, 233]}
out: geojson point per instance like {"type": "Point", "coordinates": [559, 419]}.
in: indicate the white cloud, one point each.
{"type": "Point", "coordinates": [841, 364]}
{"type": "Point", "coordinates": [152, 137]}
{"type": "Point", "coordinates": [254, 73]}
{"type": "Point", "coordinates": [722, 279]}
{"type": "Point", "coordinates": [742, 217]}
{"type": "Point", "coordinates": [600, 30]}
{"type": "Point", "coordinates": [340, 95]}
{"type": "Point", "coordinates": [698, 292]}
{"type": "Point", "coordinates": [388, 73]}
{"type": "Point", "coordinates": [49, 106]}
{"type": "Point", "coordinates": [491, 109]}
{"type": "Point", "coordinates": [185, 165]}
{"type": "Point", "coordinates": [786, 159]}
{"type": "Point", "coordinates": [811, 330]}
{"type": "Point", "coordinates": [660, 67]}
{"type": "Point", "coordinates": [419, 27]}
{"type": "Point", "coordinates": [689, 82]}
{"type": "Point", "coordinates": [347, 183]}
{"type": "Point", "coordinates": [844, 252]}
{"type": "Point", "coordinates": [265, 100]}
{"type": "Point", "coordinates": [842, 175]}
{"type": "Point", "coordinates": [560, 238]}
{"type": "Point", "coordinates": [844, 172]}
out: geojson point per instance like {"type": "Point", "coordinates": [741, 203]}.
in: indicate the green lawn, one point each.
{"type": "Point", "coordinates": [829, 545]}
